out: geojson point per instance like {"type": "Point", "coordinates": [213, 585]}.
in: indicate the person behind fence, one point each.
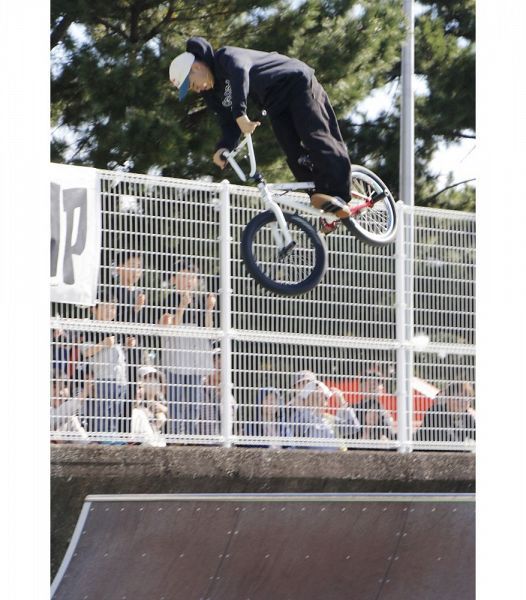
{"type": "Point", "coordinates": [267, 417]}
{"type": "Point", "coordinates": [300, 112]}
{"type": "Point", "coordinates": [309, 418]}
{"type": "Point", "coordinates": [60, 349]}
{"type": "Point", "coordinates": [105, 360]}
{"type": "Point", "coordinates": [66, 353]}
{"type": "Point", "coordinates": [451, 417]}
{"type": "Point", "coordinates": [346, 423]}
{"type": "Point", "coordinates": [149, 413]}
{"type": "Point", "coordinates": [131, 308]}
{"type": "Point", "coordinates": [213, 405]}
{"type": "Point", "coordinates": [66, 408]}
{"type": "Point", "coordinates": [375, 421]}
{"type": "Point", "coordinates": [186, 358]}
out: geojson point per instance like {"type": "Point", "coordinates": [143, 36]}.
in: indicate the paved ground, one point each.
{"type": "Point", "coordinates": [272, 547]}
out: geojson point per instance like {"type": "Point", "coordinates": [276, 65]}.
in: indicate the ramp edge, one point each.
{"type": "Point", "coordinates": [373, 497]}
{"type": "Point", "coordinates": [71, 548]}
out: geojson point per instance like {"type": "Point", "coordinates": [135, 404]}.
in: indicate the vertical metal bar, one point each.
{"type": "Point", "coordinates": [402, 392]}
{"type": "Point", "coordinates": [407, 109]}
{"type": "Point", "coordinates": [407, 195]}
{"type": "Point", "coordinates": [225, 294]}
{"type": "Point", "coordinates": [410, 318]}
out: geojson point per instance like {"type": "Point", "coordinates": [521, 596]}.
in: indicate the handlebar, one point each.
{"type": "Point", "coordinates": [229, 157]}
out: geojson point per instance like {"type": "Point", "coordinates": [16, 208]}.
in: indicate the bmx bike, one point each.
{"type": "Point", "coordinates": [283, 251]}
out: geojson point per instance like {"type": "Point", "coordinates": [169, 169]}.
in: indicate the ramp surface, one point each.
{"type": "Point", "coordinates": [271, 547]}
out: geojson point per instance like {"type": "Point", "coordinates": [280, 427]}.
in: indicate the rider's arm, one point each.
{"type": "Point", "coordinates": [229, 128]}
{"type": "Point", "coordinates": [237, 66]}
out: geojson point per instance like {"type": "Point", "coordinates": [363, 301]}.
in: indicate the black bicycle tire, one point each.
{"type": "Point", "coordinates": [320, 264]}
{"type": "Point", "coordinates": [351, 225]}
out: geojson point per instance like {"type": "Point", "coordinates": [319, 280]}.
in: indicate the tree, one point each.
{"type": "Point", "coordinates": [110, 89]}
{"type": "Point", "coordinates": [445, 61]}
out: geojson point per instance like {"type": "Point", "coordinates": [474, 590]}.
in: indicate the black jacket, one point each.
{"type": "Point", "coordinates": [441, 425]}
{"type": "Point", "coordinates": [268, 78]}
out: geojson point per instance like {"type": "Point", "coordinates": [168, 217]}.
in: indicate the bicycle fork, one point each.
{"type": "Point", "coordinates": [280, 230]}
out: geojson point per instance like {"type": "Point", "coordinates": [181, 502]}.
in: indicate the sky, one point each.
{"type": "Point", "coordinates": [460, 159]}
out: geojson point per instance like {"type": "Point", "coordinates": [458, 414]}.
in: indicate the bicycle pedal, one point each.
{"type": "Point", "coordinates": [377, 196]}
{"type": "Point", "coordinates": [327, 227]}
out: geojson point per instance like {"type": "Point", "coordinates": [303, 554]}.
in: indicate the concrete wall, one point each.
{"type": "Point", "coordinates": [77, 471]}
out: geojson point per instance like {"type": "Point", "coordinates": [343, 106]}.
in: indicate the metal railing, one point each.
{"type": "Point", "coordinates": [388, 333]}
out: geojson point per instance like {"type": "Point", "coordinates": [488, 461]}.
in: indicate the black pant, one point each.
{"type": "Point", "coordinates": [308, 126]}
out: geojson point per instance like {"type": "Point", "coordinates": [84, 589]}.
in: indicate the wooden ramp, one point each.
{"type": "Point", "coordinates": [271, 547]}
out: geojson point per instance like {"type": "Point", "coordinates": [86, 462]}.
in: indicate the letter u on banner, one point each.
{"type": "Point", "coordinates": [75, 234]}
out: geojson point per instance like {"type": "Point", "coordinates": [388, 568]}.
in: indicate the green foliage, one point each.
{"type": "Point", "coordinates": [110, 87]}
{"type": "Point", "coordinates": [446, 57]}
{"type": "Point", "coordinates": [445, 60]}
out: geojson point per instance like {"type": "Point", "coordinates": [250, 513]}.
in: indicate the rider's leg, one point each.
{"type": "Point", "coordinates": [289, 140]}
{"type": "Point", "coordinates": [317, 127]}
{"type": "Point", "coordinates": [290, 143]}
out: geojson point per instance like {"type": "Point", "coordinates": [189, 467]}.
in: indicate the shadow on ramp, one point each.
{"type": "Point", "coordinates": [271, 547]}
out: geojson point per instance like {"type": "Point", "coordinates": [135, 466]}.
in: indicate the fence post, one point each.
{"type": "Point", "coordinates": [225, 295]}
{"type": "Point", "coordinates": [403, 362]}
{"type": "Point", "coordinates": [409, 287]}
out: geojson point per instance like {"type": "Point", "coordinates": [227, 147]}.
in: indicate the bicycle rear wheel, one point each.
{"type": "Point", "coordinates": [376, 221]}
{"type": "Point", "coordinates": [289, 272]}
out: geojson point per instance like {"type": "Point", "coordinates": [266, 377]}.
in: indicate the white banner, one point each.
{"type": "Point", "coordinates": [75, 234]}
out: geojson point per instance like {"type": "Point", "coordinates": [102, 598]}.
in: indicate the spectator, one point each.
{"type": "Point", "coordinates": [60, 349]}
{"type": "Point", "coordinates": [187, 359]}
{"type": "Point", "coordinates": [375, 421]}
{"type": "Point", "coordinates": [346, 423]}
{"type": "Point", "coordinates": [268, 417]}
{"type": "Point", "coordinates": [451, 418]}
{"type": "Point", "coordinates": [66, 356]}
{"type": "Point", "coordinates": [65, 408]}
{"type": "Point", "coordinates": [131, 303]}
{"type": "Point", "coordinates": [211, 413]}
{"type": "Point", "coordinates": [309, 405]}
{"type": "Point", "coordinates": [105, 360]}
{"type": "Point", "coordinates": [149, 413]}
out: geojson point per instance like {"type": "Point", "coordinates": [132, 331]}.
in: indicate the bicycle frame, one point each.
{"type": "Point", "coordinates": [272, 201]}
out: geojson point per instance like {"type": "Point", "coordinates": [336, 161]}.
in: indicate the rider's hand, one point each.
{"type": "Point", "coordinates": [246, 125]}
{"type": "Point", "coordinates": [218, 160]}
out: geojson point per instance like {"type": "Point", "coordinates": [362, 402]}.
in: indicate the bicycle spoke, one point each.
{"type": "Point", "coordinates": [292, 268]}
{"type": "Point", "coordinates": [375, 220]}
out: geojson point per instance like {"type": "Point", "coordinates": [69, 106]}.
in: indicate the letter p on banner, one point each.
{"type": "Point", "coordinates": [75, 234]}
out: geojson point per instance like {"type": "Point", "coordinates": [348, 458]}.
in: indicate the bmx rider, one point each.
{"type": "Point", "coordinates": [300, 112]}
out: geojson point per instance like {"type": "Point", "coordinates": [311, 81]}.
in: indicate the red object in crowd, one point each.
{"type": "Point", "coordinates": [423, 396]}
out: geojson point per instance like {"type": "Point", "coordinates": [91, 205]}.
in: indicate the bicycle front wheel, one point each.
{"type": "Point", "coordinates": [374, 220]}
{"type": "Point", "coordinates": [287, 271]}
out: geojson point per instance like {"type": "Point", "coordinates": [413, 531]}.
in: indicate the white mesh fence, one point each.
{"type": "Point", "coordinates": [184, 347]}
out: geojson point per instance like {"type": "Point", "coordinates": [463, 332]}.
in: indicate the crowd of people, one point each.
{"type": "Point", "coordinates": [318, 411]}
{"type": "Point", "coordinates": [104, 384]}
{"type": "Point", "coordinates": [109, 384]}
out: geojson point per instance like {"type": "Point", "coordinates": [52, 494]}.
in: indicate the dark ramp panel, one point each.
{"type": "Point", "coordinates": [272, 547]}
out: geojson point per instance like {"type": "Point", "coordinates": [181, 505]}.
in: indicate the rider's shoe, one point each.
{"type": "Point", "coordinates": [327, 227]}
{"type": "Point", "coordinates": [332, 204]}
